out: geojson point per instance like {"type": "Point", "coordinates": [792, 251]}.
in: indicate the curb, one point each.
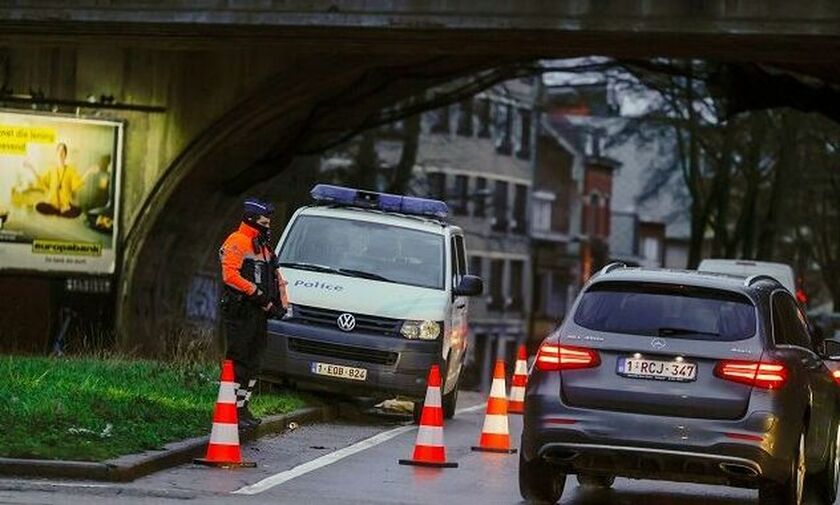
{"type": "Point", "coordinates": [133, 466]}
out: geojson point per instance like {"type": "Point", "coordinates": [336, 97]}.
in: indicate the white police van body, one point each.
{"type": "Point", "coordinates": [379, 288]}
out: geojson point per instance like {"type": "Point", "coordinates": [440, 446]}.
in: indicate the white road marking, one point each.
{"type": "Point", "coordinates": [328, 459]}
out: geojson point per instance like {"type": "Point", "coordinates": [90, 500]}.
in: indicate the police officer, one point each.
{"type": "Point", "coordinates": [254, 289]}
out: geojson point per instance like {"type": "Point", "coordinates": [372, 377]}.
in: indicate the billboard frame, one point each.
{"type": "Point", "coordinates": [118, 163]}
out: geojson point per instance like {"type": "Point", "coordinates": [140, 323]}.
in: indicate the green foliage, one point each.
{"type": "Point", "coordinates": [95, 409]}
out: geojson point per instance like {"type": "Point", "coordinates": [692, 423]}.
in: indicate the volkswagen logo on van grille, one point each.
{"type": "Point", "coordinates": [657, 343]}
{"type": "Point", "coordinates": [346, 322]}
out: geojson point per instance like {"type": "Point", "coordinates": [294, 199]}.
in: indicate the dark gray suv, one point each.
{"type": "Point", "coordinates": [684, 376]}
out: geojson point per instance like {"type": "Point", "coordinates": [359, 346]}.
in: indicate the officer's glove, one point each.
{"type": "Point", "coordinates": [276, 311]}
{"type": "Point", "coordinates": [259, 298]}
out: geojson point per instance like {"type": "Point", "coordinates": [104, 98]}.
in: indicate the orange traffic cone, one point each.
{"type": "Point", "coordinates": [495, 436]}
{"type": "Point", "coordinates": [520, 380]}
{"type": "Point", "coordinates": [429, 449]}
{"type": "Point", "coordinates": [223, 449]}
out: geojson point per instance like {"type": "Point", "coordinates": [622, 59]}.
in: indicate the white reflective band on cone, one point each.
{"type": "Point", "coordinates": [517, 393]}
{"type": "Point", "coordinates": [227, 393]}
{"type": "Point", "coordinates": [224, 434]}
{"type": "Point", "coordinates": [430, 436]}
{"type": "Point", "coordinates": [432, 397]}
{"type": "Point", "coordinates": [498, 389]}
{"type": "Point", "coordinates": [521, 368]}
{"type": "Point", "coordinates": [495, 424]}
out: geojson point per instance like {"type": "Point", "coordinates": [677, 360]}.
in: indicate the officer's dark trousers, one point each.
{"type": "Point", "coordinates": [244, 329]}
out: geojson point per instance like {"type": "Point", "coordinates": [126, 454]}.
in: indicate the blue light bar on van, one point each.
{"type": "Point", "coordinates": [326, 193]}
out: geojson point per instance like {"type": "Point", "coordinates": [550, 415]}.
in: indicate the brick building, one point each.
{"type": "Point", "coordinates": [478, 156]}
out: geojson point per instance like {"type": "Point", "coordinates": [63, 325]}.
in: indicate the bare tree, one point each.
{"type": "Point", "coordinates": [818, 204]}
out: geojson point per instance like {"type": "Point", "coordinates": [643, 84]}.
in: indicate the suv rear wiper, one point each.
{"type": "Point", "coordinates": [361, 273]}
{"type": "Point", "coordinates": [309, 266]}
{"type": "Point", "coordinates": [664, 332]}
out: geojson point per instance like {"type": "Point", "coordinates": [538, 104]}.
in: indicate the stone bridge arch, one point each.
{"type": "Point", "coordinates": [250, 150]}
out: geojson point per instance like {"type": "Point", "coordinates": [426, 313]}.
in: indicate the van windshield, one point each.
{"type": "Point", "coordinates": [666, 310]}
{"type": "Point", "coordinates": [365, 249]}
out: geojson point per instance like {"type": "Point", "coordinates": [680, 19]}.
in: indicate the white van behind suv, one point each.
{"type": "Point", "coordinates": [379, 291]}
{"type": "Point", "coordinates": [746, 268]}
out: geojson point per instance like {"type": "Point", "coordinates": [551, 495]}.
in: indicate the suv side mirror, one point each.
{"type": "Point", "coordinates": [470, 285]}
{"type": "Point", "coordinates": [831, 349]}
{"type": "Point", "coordinates": [817, 333]}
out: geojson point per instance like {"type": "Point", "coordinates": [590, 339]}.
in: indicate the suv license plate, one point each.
{"type": "Point", "coordinates": [679, 371]}
{"type": "Point", "coordinates": [340, 371]}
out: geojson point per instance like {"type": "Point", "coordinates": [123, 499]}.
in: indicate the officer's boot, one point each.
{"type": "Point", "coordinates": [242, 414]}
{"type": "Point", "coordinates": [246, 412]}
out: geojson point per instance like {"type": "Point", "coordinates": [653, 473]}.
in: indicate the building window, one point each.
{"type": "Point", "coordinates": [556, 306]}
{"type": "Point", "coordinates": [437, 186]}
{"type": "Point", "coordinates": [516, 298]}
{"type": "Point", "coordinates": [465, 118]}
{"type": "Point", "coordinates": [459, 205]}
{"type": "Point", "coordinates": [476, 266]}
{"type": "Point", "coordinates": [542, 209]}
{"type": "Point", "coordinates": [480, 200]}
{"type": "Point", "coordinates": [502, 121]}
{"type": "Point", "coordinates": [500, 206]}
{"type": "Point", "coordinates": [523, 149]}
{"type": "Point", "coordinates": [593, 214]}
{"type": "Point", "coordinates": [483, 118]}
{"type": "Point", "coordinates": [520, 206]}
{"type": "Point", "coordinates": [441, 121]}
{"type": "Point", "coordinates": [650, 249]}
{"type": "Point", "coordinates": [538, 304]}
{"type": "Point", "coordinates": [497, 271]}
{"type": "Point", "coordinates": [605, 218]}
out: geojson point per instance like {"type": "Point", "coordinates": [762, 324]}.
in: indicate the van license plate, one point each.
{"type": "Point", "coordinates": [679, 371]}
{"type": "Point", "coordinates": [340, 371]}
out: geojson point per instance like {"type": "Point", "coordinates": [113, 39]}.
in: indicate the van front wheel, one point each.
{"type": "Point", "coordinates": [417, 413]}
{"type": "Point", "coordinates": [450, 401]}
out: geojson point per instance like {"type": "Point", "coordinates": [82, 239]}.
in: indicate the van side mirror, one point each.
{"type": "Point", "coordinates": [831, 349]}
{"type": "Point", "coordinates": [470, 285]}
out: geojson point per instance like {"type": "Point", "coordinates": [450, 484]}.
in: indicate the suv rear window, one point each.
{"type": "Point", "coordinates": [667, 310]}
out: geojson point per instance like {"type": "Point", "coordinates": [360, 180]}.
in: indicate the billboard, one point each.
{"type": "Point", "coordinates": [59, 192]}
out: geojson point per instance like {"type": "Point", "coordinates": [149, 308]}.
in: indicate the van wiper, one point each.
{"type": "Point", "coordinates": [664, 332]}
{"type": "Point", "coordinates": [349, 272]}
{"type": "Point", "coordinates": [309, 266]}
{"type": "Point", "coordinates": [361, 273]}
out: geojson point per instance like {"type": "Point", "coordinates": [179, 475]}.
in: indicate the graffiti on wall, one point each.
{"type": "Point", "coordinates": [202, 298]}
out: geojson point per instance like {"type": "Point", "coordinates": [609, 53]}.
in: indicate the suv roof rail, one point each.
{"type": "Point", "coordinates": [612, 266]}
{"type": "Point", "coordinates": [758, 277]}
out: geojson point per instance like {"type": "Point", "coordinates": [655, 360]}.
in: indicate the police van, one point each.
{"type": "Point", "coordinates": [379, 291]}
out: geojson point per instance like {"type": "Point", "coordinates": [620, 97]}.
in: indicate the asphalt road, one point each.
{"type": "Point", "coordinates": [355, 462]}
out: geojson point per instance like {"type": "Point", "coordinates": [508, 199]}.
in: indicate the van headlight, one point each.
{"type": "Point", "coordinates": [423, 330]}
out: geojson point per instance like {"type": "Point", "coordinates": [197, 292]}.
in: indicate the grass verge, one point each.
{"type": "Point", "coordinates": [93, 409]}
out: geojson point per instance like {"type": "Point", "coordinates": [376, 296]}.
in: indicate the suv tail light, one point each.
{"type": "Point", "coordinates": [554, 357]}
{"type": "Point", "coordinates": [761, 374]}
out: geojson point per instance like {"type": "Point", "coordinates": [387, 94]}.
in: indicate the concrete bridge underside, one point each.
{"type": "Point", "coordinates": [250, 88]}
